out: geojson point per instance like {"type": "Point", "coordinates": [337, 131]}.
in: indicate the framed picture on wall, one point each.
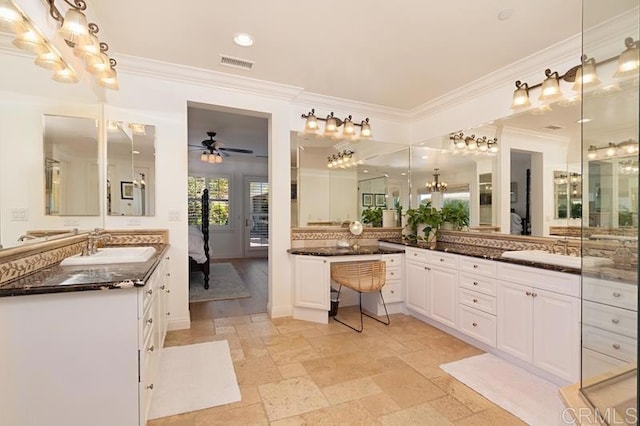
{"type": "Point", "coordinates": [381, 200]}
{"type": "Point", "coordinates": [367, 199]}
{"type": "Point", "coordinates": [126, 190]}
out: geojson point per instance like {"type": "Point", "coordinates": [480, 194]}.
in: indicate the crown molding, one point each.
{"type": "Point", "coordinates": [306, 99]}
{"type": "Point", "coordinates": [516, 131]}
{"type": "Point", "coordinates": [191, 75]}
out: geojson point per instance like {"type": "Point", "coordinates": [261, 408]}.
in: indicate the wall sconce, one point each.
{"type": "Point", "coordinates": [81, 36]}
{"type": "Point", "coordinates": [311, 126]}
{"type": "Point", "coordinates": [436, 185]}
{"type": "Point", "coordinates": [343, 160]}
{"type": "Point", "coordinates": [622, 149]}
{"type": "Point", "coordinates": [471, 145]}
{"type": "Point", "coordinates": [583, 76]}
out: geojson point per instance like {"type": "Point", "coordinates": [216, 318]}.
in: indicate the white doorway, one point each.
{"type": "Point", "coordinates": [256, 212]}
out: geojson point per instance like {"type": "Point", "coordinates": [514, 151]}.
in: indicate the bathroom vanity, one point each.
{"type": "Point", "coordinates": [81, 344]}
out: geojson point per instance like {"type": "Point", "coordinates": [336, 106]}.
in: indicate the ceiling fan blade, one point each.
{"type": "Point", "coordinates": [238, 150]}
{"type": "Point", "coordinates": [224, 154]}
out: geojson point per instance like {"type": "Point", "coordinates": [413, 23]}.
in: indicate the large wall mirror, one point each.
{"type": "Point", "coordinates": [71, 166]}
{"type": "Point", "coordinates": [130, 186]}
{"type": "Point", "coordinates": [335, 180]}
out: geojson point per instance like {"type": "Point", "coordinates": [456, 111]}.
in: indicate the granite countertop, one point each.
{"type": "Point", "coordinates": [347, 251]}
{"type": "Point", "coordinates": [59, 279]}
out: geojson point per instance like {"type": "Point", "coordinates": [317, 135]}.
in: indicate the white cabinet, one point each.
{"type": "Point", "coordinates": [444, 301]}
{"type": "Point", "coordinates": [417, 282]}
{"type": "Point", "coordinates": [311, 282]}
{"type": "Point", "coordinates": [72, 356]}
{"type": "Point", "coordinates": [392, 291]}
{"type": "Point", "coordinates": [540, 327]}
{"type": "Point", "coordinates": [477, 299]}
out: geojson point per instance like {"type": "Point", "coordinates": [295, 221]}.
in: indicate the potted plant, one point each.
{"type": "Point", "coordinates": [372, 217]}
{"type": "Point", "coordinates": [424, 223]}
{"type": "Point", "coordinates": [398, 208]}
{"type": "Point", "coordinates": [456, 213]}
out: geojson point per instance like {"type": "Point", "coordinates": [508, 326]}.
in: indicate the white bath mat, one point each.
{"type": "Point", "coordinates": [523, 394]}
{"type": "Point", "coordinates": [194, 377]}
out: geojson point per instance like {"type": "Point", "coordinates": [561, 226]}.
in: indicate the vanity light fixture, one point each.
{"type": "Point", "coordinates": [436, 185]}
{"type": "Point", "coordinates": [622, 149]}
{"type": "Point", "coordinates": [332, 125]}
{"type": "Point", "coordinates": [138, 129]}
{"type": "Point", "coordinates": [584, 77]}
{"type": "Point", "coordinates": [343, 160]}
{"type": "Point", "coordinates": [473, 145]}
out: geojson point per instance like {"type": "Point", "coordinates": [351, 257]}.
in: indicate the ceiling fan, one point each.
{"type": "Point", "coordinates": [214, 147]}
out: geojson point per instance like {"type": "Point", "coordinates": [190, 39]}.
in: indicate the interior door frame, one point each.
{"type": "Point", "coordinates": [248, 250]}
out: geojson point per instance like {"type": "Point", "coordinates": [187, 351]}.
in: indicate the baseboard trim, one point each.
{"type": "Point", "coordinates": [183, 323]}
{"type": "Point", "coordinates": [282, 311]}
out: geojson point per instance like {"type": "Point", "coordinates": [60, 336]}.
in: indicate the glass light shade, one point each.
{"type": "Point", "coordinates": [75, 28]}
{"type": "Point", "coordinates": [97, 64]}
{"type": "Point", "coordinates": [138, 129]}
{"type": "Point", "coordinates": [204, 157]}
{"type": "Point", "coordinates": [49, 60]}
{"type": "Point", "coordinates": [493, 148]}
{"type": "Point", "coordinates": [520, 98]}
{"type": "Point", "coordinates": [109, 79]}
{"type": "Point", "coordinates": [592, 152]}
{"type": "Point", "coordinates": [349, 129]}
{"type": "Point", "coordinates": [211, 158]}
{"type": "Point", "coordinates": [90, 47]}
{"type": "Point", "coordinates": [550, 89]}
{"type": "Point", "coordinates": [65, 75]}
{"type": "Point", "coordinates": [628, 62]}
{"type": "Point", "coordinates": [10, 18]}
{"type": "Point", "coordinates": [586, 76]}
{"type": "Point", "coordinates": [460, 144]}
{"type": "Point", "coordinates": [472, 145]}
{"type": "Point", "coordinates": [482, 146]}
{"type": "Point", "coordinates": [365, 130]}
{"type": "Point", "coordinates": [611, 151]}
{"type": "Point", "coordinates": [311, 125]}
{"type": "Point", "coordinates": [542, 109]}
{"type": "Point", "coordinates": [331, 127]}
{"type": "Point", "coordinates": [218, 158]}
{"type": "Point", "coordinates": [30, 41]}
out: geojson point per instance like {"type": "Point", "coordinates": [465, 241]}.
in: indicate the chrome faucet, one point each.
{"type": "Point", "coordinates": [92, 242]}
{"type": "Point", "coordinates": [26, 237]}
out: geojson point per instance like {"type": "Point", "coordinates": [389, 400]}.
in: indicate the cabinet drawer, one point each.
{"type": "Point", "coordinates": [477, 300]}
{"type": "Point", "coordinates": [392, 260]}
{"type": "Point", "coordinates": [615, 345]}
{"type": "Point", "coordinates": [478, 325]}
{"type": "Point", "coordinates": [394, 273]}
{"type": "Point", "coordinates": [557, 282]}
{"type": "Point", "coordinates": [443, 259]}
{"type": "Point", "coordinates": [617, 320]}
{"type": "Point", "coordinates": [478, 266]}
{"type": "Point", "coordinates": [392, 291]}
{"type": "Point", "coordinates": [611, 293]}
{"type": "Point", "coordinates": [478, 283]}
{"type": "Point", "coordinates": [416, 255]}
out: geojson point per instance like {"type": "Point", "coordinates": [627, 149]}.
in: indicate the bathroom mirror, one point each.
{"type": "Point", "coordinates": [567, 194]}
{"type": "Point", "coordinates": [130, 186]}
{"type": "Point", "coordinates": [326, 193]}
{"type": "Point", "coordinates": [71, 166]}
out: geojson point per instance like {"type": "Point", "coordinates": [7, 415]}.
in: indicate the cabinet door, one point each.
{"type": "Point", "coordinates": [556, 334]}
{"type": "Point", "coordinates": [444, 302]}
{"type": "Point", "coordinates": [417, 279]}
{"type": "Point", "coordinates": [312, 282]}
{"type": "Point", "coordinates": [515, 320]}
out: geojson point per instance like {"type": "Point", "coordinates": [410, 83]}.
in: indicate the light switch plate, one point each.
{"type": "Point", "coordinates": [174, 215]}
{"type": "Point", "coordinates": [19, 215]}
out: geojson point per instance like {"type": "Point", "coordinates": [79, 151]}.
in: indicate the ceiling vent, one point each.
{"type": "Point", "coordinates": [230, 61]}
{"type": "Point", "coordinates": [553, 127]}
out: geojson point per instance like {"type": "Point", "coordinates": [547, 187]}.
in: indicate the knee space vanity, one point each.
{"type": "Point", "coordinates": [82, 344]}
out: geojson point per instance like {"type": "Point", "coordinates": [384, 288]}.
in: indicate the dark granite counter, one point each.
{"type": "Point", "coordinates": [339, 251]}
{"type": "Point", "coordinates": [59, 279]}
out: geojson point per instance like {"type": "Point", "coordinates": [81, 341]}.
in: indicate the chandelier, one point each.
{"type": "Point", "coordinates": [472, 145]}
{"type": "Point", "coordinates": [77, 33]}
{"type": "Point", "coordinates": [211, 157]}
{"type": "Point", "coordinates": [583, 76]}
{"type": "Point", "coordinates": [331, 128]}
{"type": "Point", "coordinates": [436, 185]}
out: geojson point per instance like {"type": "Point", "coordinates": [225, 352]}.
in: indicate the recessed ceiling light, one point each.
{"type": "Point", "coordinates": [403, 174]}
{"type": "Point", "coordinates": [584, 120]}
{"type": "Point", "coordinates": [365, 171]}
{"type": "Point", "coordinates": [243, 39]}
{"type": "Point", "coordinates": [424, 157]}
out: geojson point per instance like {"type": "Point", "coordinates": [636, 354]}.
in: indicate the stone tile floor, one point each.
{"type": "Point", "coordinates": [293, 372]}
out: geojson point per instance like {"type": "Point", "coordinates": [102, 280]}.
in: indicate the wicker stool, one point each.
{"type": "Point", "coordinates": [363, 277]}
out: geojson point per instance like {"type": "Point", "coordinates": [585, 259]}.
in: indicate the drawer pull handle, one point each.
{"type": "Point", "coordinates": [415, 254]}
{"type": "Point", "coordinates": [475, 324]}
{"type": "Point", "coordinates": [167, 258]}
{"type": "Point", "coordinates": [151, 348]}
{"type": "Point", "coordinates": [163, 287]}
{"type": "Point", "coordinates": [168, 274]}
{"type": "Point", "coordinates": [475, 300]}
{"type": "Point", "coordinates": [441, 260]}
{"type": "Point", "coordinates": [475, 283]}
{"type": "Point", "coordinates": [528, 293]}
{"type": "Point", "coordinates": [168, 313]}
{"type": "Point", "coordinates": [475, 266]}
{"type": "Point", "coordinates": [615, 320]}
{"type": "Point", "coordinates": [616, 294]}
{"type": "Point", "coordinates": [150, 387]}
{"type": "Point", "coordinates": [149, 292]}
{"type": "Point", "coordinates": [150, 321]}
{"type": "Point", "coordinates": [392, 260]}
{"type": "Point", "coordinates": [616, 346]}
{"type": "Point", "coordinates": [393, 291]}
{"type": "Point", "coordinates": [534, 294]}
{"type": "Point", "coordinates": [392, 273]}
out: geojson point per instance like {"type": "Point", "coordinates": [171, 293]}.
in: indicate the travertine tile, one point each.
{"type": "Point", "coordinates": [259, 317]}
{"type": "Point", "coordinates": [221, 322]}
{"type": "Point", "coordinates": [187, 419]}
{"type": "Point", "coordinates": [237, 355]}
{"type": "Point", "coordinates": [256, 329]}
{"type": "Point", "coordinates": [253, 348]}
{"type": "Point", "coordinates": [350, 390]}
{"type": "Point", "coordinates": [295, 369]}
{"type": "Point", "coordinates": [257, 371]}
{"type": "Point", "coordinates": [423, 414]}
{"type": "Point", "coordinates": [335, 369]}
{"type": "Point", "coordinates": [285, 342]}
{"type": "Point", "coordinates": [227, 329]}
{"type": "Point", "coordinates": [250, 415]}
{"type": "Point", "coordinates": [291, 397]}
{"type": "Point", "coordinates": [289, 421]}
{"type": "Point", "coordinates": [406, 387]}
{"type": "Point", "coordinates": [467, 396]}
{"type": "Point", "coordinates": [492, 417]}
{"type": "Point", "coordinates": [350, 413]}
{"type": "Point", "coordinates": [451, 408]}
{"type": "Point", "coordinates": [380, 404]}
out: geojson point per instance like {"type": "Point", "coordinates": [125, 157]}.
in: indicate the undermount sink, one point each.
{"type": "Point", "coordinates": [112, 255]}
{"type": "Point", "coordinates": [558, 259]}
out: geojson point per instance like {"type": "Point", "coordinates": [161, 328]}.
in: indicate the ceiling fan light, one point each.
{"type": "Point", "coordinates": [218, 158]}
{"type": "Point", "coordinates": [211, 158]}
{"type": "Point", "coordinates": [204, 157]}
